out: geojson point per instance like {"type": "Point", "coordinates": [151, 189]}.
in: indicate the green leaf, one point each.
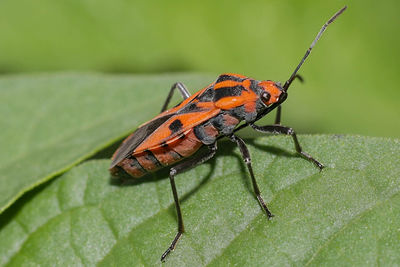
{"type": "Point", "coordinates": [49, 123]}
{"type": "Point", "coordinates": [348, 214]}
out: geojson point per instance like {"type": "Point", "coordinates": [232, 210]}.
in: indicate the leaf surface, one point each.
{"type": "Point", "coordinates": [347, 214]}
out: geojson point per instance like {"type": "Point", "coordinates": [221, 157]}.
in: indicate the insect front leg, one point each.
{"type": "Point", "coordinates": [172, 173]}
{"type": "Point", "coordinates": [278, 115]}
{"type": "Point", "coordinates": [247, 160]}
{"type": "Point", "coordinates": [182, 89]}
{"type": "Point", "coordinates": [280, 129]}
{"type": "Point", "coordinates": [279, 108]}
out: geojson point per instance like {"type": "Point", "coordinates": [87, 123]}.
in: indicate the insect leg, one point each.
{"type": "Point", "coordinates": [174, 171]}
{"type": "Point", "coordinates": [182, 89]}
{"type": "Point", "coordinates": [280, 129]}
{"type": "Point", "coordinates": [279, 109]}
{"type": "Point", "coordinates": [278, 115]}
{"type": "Point", "coordinates": [247, 159]}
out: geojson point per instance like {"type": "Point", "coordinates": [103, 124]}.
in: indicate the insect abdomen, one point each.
{"type": "Point", "coordinates": [152, 159]}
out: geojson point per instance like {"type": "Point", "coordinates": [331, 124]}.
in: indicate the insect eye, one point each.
{"type": "Point", "coordinates": [265, 97]}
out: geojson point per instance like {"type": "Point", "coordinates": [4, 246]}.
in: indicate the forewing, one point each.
{"type": "Point", "coordinates": [157, 131]}
{"type": "Point", "coordinates": [178, 124]}
{"type": "Point", "coordinates": [137, 137]}
{"type": "Point", "coordinates": [185, 102]}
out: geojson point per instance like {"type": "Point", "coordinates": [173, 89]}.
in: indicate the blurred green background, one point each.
{"type": "Point", "coordinates": [351, 78]}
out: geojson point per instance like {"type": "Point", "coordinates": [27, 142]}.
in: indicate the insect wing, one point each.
{"type": "Point", "coordinates": [158, 130]}
{"type": "Point", "coordinates": [136, 138]}
{"type": "Point", "coordinates": [185, 102]}
{"type": "Point", "coordinates": [175, 126]}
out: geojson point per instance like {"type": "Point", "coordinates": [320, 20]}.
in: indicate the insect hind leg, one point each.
{"type": "Point", "coordinates": [247, 159]}
{"type": "Point", "coordinates": [280, 129]}
{"type": "Point", "coordinates": [173, 172]}
{"type": "Point", "coordinates": [182, 89]}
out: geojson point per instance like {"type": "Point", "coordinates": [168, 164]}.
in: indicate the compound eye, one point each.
{"type": "Point", "coordinates": [265, 97]}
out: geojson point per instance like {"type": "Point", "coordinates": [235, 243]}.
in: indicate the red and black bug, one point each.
{"type": "Point", "coordinates": [200, 120]}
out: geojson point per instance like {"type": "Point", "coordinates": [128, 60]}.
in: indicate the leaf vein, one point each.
{"type": "Point", "coordinates": [360, 216]}
{"type": "Point", "coordinates": [71, 242]}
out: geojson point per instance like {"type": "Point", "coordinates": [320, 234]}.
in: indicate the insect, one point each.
{"type": "Point", "coordinates": [200, 120]}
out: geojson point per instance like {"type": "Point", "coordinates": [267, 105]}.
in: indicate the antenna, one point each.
{"type": "Point", "coordinates": [293, 76]}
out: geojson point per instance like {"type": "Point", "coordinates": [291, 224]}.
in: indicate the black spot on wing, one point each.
{"type": "Point", "coordinates": [176, 126]}
{"type": "Point", "coordinates": [228, 91]}
{"type": "Point", "coordinates": [136, 138]}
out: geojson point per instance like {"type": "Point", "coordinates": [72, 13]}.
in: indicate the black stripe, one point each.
{"type": "Point", "coordinates": [207, 95]}
{"type": "Point", "coordinates": [135, 163]}
{"type": "Point", "coordinates": [150, 156]}
{"type": "Point", "coordinates": [227, 91]}
{"type": "Point", "coordinates": [225, 77]}
{"type": "Point", "coordinates": [119, 172]}
{"type": "Point", "coordinates": [175, 154]}
{"type": "Point", "coordinates": [165, 145]}
{"type": "Point", "coordinates": [254, 86]}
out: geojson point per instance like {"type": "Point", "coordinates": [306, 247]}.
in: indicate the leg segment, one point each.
{"type": "Point", "coordinates": [182, 89]}
{"type": "Point", "coordinates": [246, 157]}
{"type": "Point", "coordinates": [279, 129]}
{"type": "Point", "coordinates": [278, 115]}
{"type": "Point", "coordinates": [174, 171]}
